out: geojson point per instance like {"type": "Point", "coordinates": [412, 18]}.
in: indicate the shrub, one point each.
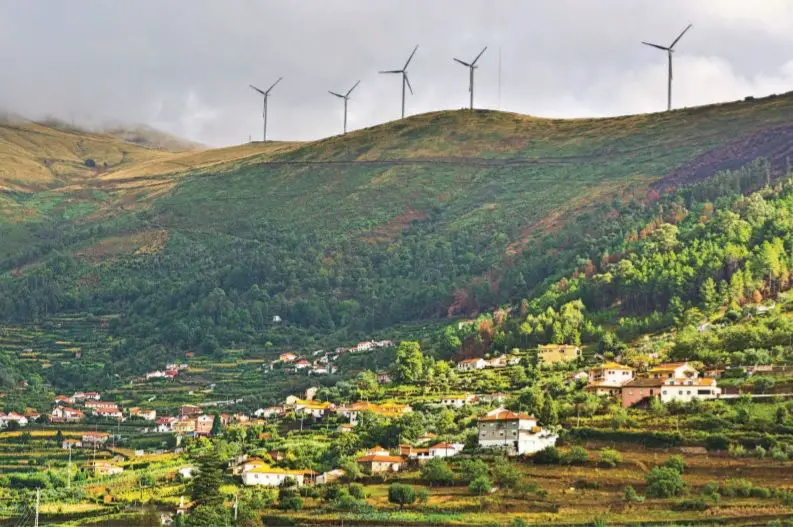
{"type": "Point", "coordinates": [356, 490]}
{"type": "Point", "coordinates": [506, 474]}
{"type": "Point", "coordinates": [760, 492]}
{"type": "Point", "coordinates": [437, 471]}
{"type": "Point", "coordinates": [309, 492]}
{"type": "Point", "coordinates": [422, 495]}
{"type": "Point", "coordinates": [586, 484]}
{"type": "Point", "coordinates": [664, 482]}
{"type": "Point", "coordinates": [717, 442]}
{"type": "Point", "coordinates": [473, 468]}
{"type": "Point", "coordinates": [576, 456]}
{"type": "Point", "coordinates": [610, 457]}
{"type": "Point", "coordinates": [401, 494]}
{"type": "Point", "coordinates": [547, 456]}
{"type": "Point", "coordinates": [737, 487]}
{"type": "Point", "coordinates": [480, 486]}
{"type": "Point", "coordinates": [291, 503]}
{"type": "Point", "coordinates": [631, 496]}
{"type": "Point", "coordinates": [90, 163]}
{"type": "Point", "coordinates": [677, 463]}
{"type": "Point", "coordinates": [711, 488]}
{"type": "Point", "coordinates": [778, 454]}
{"type": "Point", "coordinates": [695, 504]}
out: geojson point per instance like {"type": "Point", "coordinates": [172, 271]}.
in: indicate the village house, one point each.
{"type": "Point", "coordinates": [426, 437]}
{"type": "Point", "coordinates": [203, 424]}
{"type": "Point", "coordinates": [147, 415]}
{"type": "Point", "coordinates": [331, 476]}
{"type": "Point", "coordinates": [12, 417]}
{"type": "Point", "coordinates": [551, 354]}
{"type": "Point", "coordinates": [104, 468]}
{"type": "Point", "coordinates": [94, 438]}
{"type": "Point", "coordinates": [471, 364]}
{"type": "Point", "coordinates": [270, 411]}
{"type": "Point", "coordinates": [165, 424]}
{"type": "Point", "coordinates": [354, 411]}
{"type": "Point", "coordinates": [189, 410]}
{"type": "Point", "coordinates": [688, 389]}
{"type": "Point", "coordinates": [458, 401]}
{"type": "Point", "coordinates": [516, 433]}
{"type": "Point", "coordinates": [640, 390]}
{"type": "Point", "coordinates": [674, 370]}
{"type": "Point", "coordinates": [64, 399]}
{"type": "Point", "coordinates": [64, 414]}
{"type": "Point", "coordinates": [32, 415]}
{"type": "Point", "coordinates": [497, 362]}
{"type": "Point", "coordinates": [383, 377]}
{"type": "Point", "coordinates": [315, 409]}
{"type": "Point", "coordinates": [68, 444]}
{"type": "Point", "coordinates": [100, 405]}
{"type": "Point", "coordinates": [420, 455]}
{"type": "Point", "coordinates": [109, 413]}
{"type": "Point", "coordinates": [184, 426]}
{"type": "Point", "coordinates": [187, 472]}
{"type": "Point", "coordinates": [271, 477]}
{"type": "Point", "coordinates": [380, 464]}
{"type": "Point", "coordinates": [497, 397]}
{"type": "Point", "coordinates": [609, 378]}
{"type": "Point", "coordinates": [445, 449]}
{"type": "Point", "coordinates": [287, 357]}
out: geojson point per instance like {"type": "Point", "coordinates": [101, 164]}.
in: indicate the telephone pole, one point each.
{"type": "Point", "coordinates": [38, 504]}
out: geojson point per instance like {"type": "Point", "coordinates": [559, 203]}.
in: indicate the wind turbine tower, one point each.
{"type": "Point", "coordinates": [471, 67]}
{"type": "Point", "coordinates": [669, 50]}
{"type": "Point", "coordinates": [265, 95]}
{"type": "Point", "coordinates": [346, 98]}
{"type": "Point", "coordinates": [405, 80]}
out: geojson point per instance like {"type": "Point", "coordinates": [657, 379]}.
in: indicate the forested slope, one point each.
{"type": "Point", "coordinates": [442, 214]}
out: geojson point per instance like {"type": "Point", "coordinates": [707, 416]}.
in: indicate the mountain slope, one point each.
{"type": "Point", "coordinates": [439, 214]}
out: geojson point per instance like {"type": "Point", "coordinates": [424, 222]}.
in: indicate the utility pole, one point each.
{"type": "Point", "coordinates": [236, 506]}
{"type": "Point", "coordinates": [38, 504]}
{"type": "Point", "coordinates": [69, 470]}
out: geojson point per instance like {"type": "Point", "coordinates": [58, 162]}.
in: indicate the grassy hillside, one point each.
{"type": "Point", "coordinates": [446, 213]}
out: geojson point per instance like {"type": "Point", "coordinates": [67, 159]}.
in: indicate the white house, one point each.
{"type": "Point", "coordinates": [608, 378]}
{"type": "Point", "coordinates": [471, 364]}
{"type": "Point", "coordinates": [187, 472]}
{"type": "Point", "coordinates": [12, 417]}
{"type": "Point", "coordinates": [685, 390]}
{"type": "Point", "coordinates": [302, 364]}
{"type": "Point", "coordinates": [165, 424]}
{"type": "Point", "coordinates": [271, 477]}
{"type": "Point", "coordinates": [674, 370]}
{"type": "Point", "coordinates": [516, 433]}
{"type": "Point", "coordinates": [330, 476]}
{"type": "Point", "coordinates": [458, 401]}
{"type": "Point", "coordinates": [445, 449]}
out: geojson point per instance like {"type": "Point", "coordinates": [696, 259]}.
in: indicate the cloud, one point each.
{"type": "Point", "coordinates": [184, 65]}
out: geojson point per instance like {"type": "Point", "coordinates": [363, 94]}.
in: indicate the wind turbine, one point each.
{"type": "Point", "coordinates": [346, 98]}
{"type": "Point", "coordinates": [405, 80]}
{"type": "Point", "coordinates": [471, 67]}
{"type": "Point", "coordinates": [669, 50]}
{"type": "Point", "coordinates": [266, 95]}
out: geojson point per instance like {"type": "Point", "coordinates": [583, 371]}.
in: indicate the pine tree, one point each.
{"type": "Point", "coordinates": [549, 415]}
{"type": "Point", "coordinates": [205, 487]}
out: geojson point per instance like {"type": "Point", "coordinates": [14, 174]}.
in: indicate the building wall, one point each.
{"type": "Point", "coordinates": [684, 393]}
{"type": "Point", "coordinates": [269, 479]}
{"type": "Point", "coordinates": [631, 396]}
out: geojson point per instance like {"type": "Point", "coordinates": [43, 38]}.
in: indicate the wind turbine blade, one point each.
{"type": "Point", "coordinates": [463, 63]}
{"type": "Point", "coordinates": [410, 57]}
{"type": "Point", "coordinates": [336, 94]}
{"type": "Point", "coordinates": [351, 89]}
{"type": "Point", "coordinates": [681, 36]}
{"type": "Point", "coordinates": [391, 71]}
{"type": "Point", "coordinates": [257, 89]}
{"type": "Point", "coordinates": [273, 86]}
{"type": "Point", "coordinates": [480, 54]}
{"type": "Point", "coordinates": [408, 83]}
{"type": "Point", "coordinates": [655, 46]}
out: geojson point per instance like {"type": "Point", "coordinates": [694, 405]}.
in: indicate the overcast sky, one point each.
{"type": "Point", "coordinates": [184, 65]}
